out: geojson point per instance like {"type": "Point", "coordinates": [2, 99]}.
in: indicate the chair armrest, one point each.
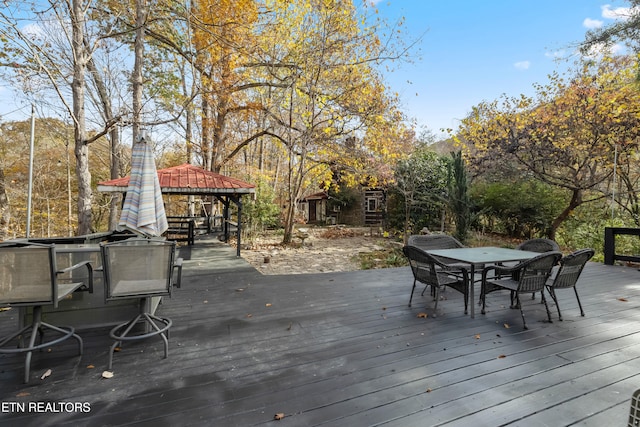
{"type": "Point", "coordinates": [457, 270]}
{"type": "Point", "coordinates": [177, 265]}
{"type": "Point", "coordinates": [79, 265]}
{"type": "Point", "coordinates": [501, 269]}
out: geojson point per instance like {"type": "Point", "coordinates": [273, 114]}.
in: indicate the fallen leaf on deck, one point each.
{"type": "Point", "coordinates": [46, 374]}
{"type": "Point", "coordinates": [23, 394]}
{"type": "Point", "coordinates": [107, 374]}
{"type": "Point", "coordinates": [506, 326]}
{"type": "Point", "coordinates": [502, 356]}
{"type": "Point", "coordinates": [278, 416]}
{"type": "Point", "coordinates": [384, 308]}
{"type": "Point", "coordinates": [477, 336]}
{"type": "Point", "coordinates": [249, 315]}
{"type": "Point", "coordinates": [623, 299]}
{"type": "Point", "coordinates": [423, 315]}
{"type": "Point", "coordinates": [205, 302]}
{"type": "Point", "coordinates": [428, 390]}
{"type": "Point", "coordinates": [239, 290]}
{"type": "Point", "coordinates": [268, 304]}
{"type": "Point", "coordinates": [117, 349]}
{"type": "Point", "coordinates": [90, 367]}
{"type": "Point", "coordinates": [5, 308]}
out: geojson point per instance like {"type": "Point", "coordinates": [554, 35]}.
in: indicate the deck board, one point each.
{"type": "Point", "coordinates": [344, 349]}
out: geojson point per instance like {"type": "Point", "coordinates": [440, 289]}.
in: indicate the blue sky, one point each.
{"type": "Point", "coordinates": [471, 51]}
{"type": "Point", "coordinates": [475, 50]}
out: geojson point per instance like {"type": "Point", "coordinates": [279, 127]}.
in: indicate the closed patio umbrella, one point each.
{"type": "Point", "coordinates": [143, 209]}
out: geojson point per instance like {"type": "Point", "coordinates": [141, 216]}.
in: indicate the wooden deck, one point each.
{"type": "Point", "coordinates": [343, 349]}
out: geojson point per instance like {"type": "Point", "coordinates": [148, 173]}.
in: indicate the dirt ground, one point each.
{"type": "Point", "coordinates": [326, 249]}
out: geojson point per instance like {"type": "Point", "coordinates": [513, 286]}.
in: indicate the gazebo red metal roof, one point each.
{"type": "Point", "coordinates": [187, 179]}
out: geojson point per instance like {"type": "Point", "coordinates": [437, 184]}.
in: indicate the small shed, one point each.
{"type": "Point", "coordinates": [314, 207]}
{"type": "Point", "coordinates": [187, 179]}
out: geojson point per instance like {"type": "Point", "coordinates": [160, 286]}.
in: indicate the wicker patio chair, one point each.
{"type": "Point", "coordinates": [538, 245]}
{"type": "Point", "coordinates": [566, 276]}
{"type": "Point", "coordinates": [634, 410]}
{"type": "Point", "coordinates": [139, 269]}
{"type": "Point", "coordinates": [29, 278]}
{"type": "Point", "coordinates": [532, 276]}
{"type": "Point", "coordinates": [436, 241]}
{"type": "Point", "coordinates": [433, 241]}
{"type": "Point", "coordinates": [431, 272]}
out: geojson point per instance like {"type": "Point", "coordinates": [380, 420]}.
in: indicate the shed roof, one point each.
{"type": "Point", "coordinates": [187, 179]}
{"type": "Point", "coordinates": [316, 196]}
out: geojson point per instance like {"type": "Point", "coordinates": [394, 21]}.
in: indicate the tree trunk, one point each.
{"type": "Point", "coordinates": [576, 200]}
{"type": "Point", "coordinates": [114, 138]}
{"type": "Point", "coordinates": [81, 149]}
{"type": "Point", "coordinates": [137, 78]}
{"type": "Point", "coordinates": [5, 213]}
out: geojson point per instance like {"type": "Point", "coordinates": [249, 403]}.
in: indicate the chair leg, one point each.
{"type": "Point", "coordinates": [483, 299]}
{"type": "Point", "coordinates": [412, 290]}
{"type": "Point", "coordinates": [579, 303]}
{"type": "Point", "coordinates": [63, 331]}
{"type": "Point", "coordinates": [552, 292]}
{"type": "Point", "coordinates": [465, 295]}
{"type": "Point", "coordinates": [515, 300]}
{"type": "Point", "coordinates": [546, 306]}
{"type": "Point", "coordinates": [37, 316]}
{"type": "Point", "coordinates": [150, 321]}
{"type": "Point", "coordinates": [112, 334]}
{"type": "Point", "coordinates": [436, 291]}
{"type": "Point", "coordinates": [34, 330]}
{"type": "Point", "coordinates": [524, 321]}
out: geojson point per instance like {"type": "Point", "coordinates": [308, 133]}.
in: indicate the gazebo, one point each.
{"type": "Point", "coordinates": [187, 179]}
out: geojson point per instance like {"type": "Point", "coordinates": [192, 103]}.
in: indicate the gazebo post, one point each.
{"type": "Point", "coordinates": [239, 227]}
{"type": "Point", "coordinates": [225, 218]}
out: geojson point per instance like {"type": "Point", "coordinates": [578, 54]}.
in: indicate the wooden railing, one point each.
{"type": "Point", "coordinates": [610, 234]}
{"type": "Point", "coordinates": [181, 229]}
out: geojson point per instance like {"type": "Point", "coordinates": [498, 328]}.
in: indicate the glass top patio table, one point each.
{"type": "Point", "coordinates": [477, 257]}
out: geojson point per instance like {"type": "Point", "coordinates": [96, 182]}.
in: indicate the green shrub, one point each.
{"type": "Point", "coordinates": [523, 209]}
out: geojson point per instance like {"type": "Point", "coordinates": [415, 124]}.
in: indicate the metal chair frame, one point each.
{"type": "Point", "coordinates": [532, 275]}
{"type": "Point", "coordinates": [152, 325]}
{"type": "Point", "coordinates": [567, 275]}
{"type": "Point", "coordinates": [58, 291]}
{"type": "Point", "coordinates": [432, 272]}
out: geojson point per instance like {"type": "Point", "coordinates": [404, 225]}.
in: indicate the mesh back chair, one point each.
{"type": "Point", "coordinates": [634, 410]}
{"type": "Point", "coordinates": [430, 271]}
{"type": "Point", "coordinates": [566, 276]}
{"type": "Point", "coordinates": [532, 276]}
{"type": "Point", "coordinates": [540, 245]}
{"type": "Point", "coordinates": [29, 278]}
{"type": "Point", "coordinates": [436, 241]}
{"type": "Point", "coordinates": [139, 269]}
{"type": "Point", "coordinates": [433, 241]}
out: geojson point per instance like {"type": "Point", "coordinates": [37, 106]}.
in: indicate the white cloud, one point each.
{"type": "Point", "coordinates": [592, 23]}
{"type": "Point", "coordinates": [599, 50]}
{"type": "Point", "coordinates": [556, 54]}
{"type": "Point", "coordinates": [617, 13]}
{"type": "Point", "coordinates": [33, 30]}
{"type": "Point", "coordinates": [522, 65]}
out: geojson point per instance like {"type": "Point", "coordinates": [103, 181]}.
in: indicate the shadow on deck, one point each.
{"type": "Point", "coordinates": [343, 349]}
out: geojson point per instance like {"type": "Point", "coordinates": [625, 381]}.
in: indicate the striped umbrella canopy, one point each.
{"type": "Point", "coordinates": [143, 209]}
